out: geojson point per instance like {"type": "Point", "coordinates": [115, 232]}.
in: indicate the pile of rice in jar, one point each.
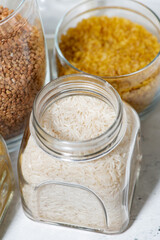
{"type": "Point", "coordinates": [77, 118]}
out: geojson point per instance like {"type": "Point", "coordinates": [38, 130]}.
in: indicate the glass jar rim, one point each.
{"type": "Point", "coordinates": [18, 8]}
{"type": "Point", "coordinates": [106, 77]}
{"type": "Point", "coordinates": [47, 141]}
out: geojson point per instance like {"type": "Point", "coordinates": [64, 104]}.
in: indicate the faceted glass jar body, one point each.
{"type": "Point", "coordinates": [140, 88]}
{"type": "Point", "coordinates": [22, 65]}
{"type": "Point", "coordinates": [6, 179]}
{"type": "Point", "coordinates": [85, 184]}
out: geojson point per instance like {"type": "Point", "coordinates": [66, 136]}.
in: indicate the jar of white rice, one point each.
{"type": "Point", "coordinates": [80, 156]}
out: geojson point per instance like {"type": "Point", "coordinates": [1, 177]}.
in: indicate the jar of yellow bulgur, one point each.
{"type": "Point", "coordinates": [117, 40]}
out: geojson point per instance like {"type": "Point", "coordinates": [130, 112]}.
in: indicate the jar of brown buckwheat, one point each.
{"type": "Point", "coordinates": [22, 65]}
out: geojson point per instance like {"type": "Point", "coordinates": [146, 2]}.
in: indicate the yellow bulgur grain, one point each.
{"type": "Point", "coordinates": [109, 46]}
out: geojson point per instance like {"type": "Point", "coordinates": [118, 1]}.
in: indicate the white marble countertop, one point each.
{"type": "Point", "coordinates": [145, 213]}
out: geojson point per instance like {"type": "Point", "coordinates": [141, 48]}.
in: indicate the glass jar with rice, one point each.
{"type": "Point", "coordinates": [117, 40]}
{"type": "Point", "coordinates": [80, 156]}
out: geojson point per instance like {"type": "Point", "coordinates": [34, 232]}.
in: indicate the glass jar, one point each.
{"type": "Point", "coordinates": [140, 88]}
{"type": "Point", "coordinates": [6, 179]}
{"type": "Point", "coordinates": [85, 184]}
{"type": "Point", "coordinates": [23, 65]}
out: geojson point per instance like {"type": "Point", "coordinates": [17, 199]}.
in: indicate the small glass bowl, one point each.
{"type": "Point", "coordinates": [140, 88]}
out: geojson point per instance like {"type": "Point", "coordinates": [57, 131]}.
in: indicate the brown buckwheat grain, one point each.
{"type": "Point", "coordinates": [22, 70]}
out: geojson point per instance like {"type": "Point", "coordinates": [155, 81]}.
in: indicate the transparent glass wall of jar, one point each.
{"type": "Point", "coordinates": [6, 179]}
{"type": "Point", "coordinates": [82, 184]}
{"type": "Point", "coordinates": [23, 64]}
{"type": "Point", "coordinates": [52, 11]}
{"type": "Point", "coordinates": [141, 88]}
